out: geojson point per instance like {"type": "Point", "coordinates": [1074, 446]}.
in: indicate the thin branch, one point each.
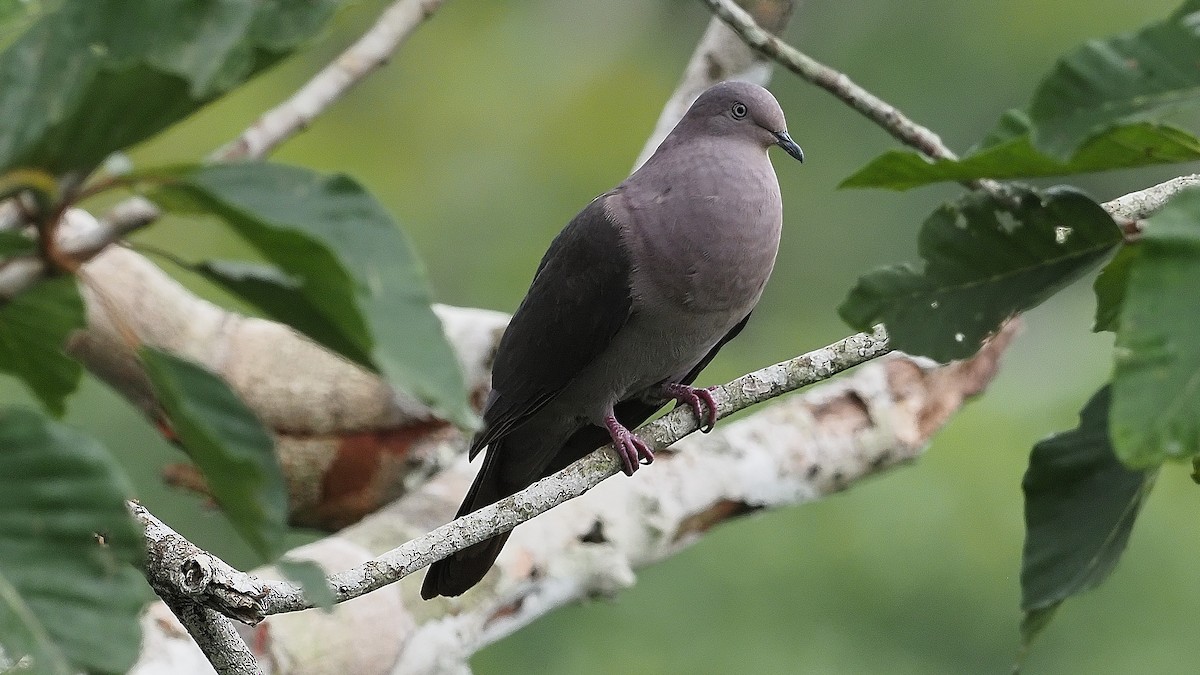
{"type": "Point", "coordinates": [585, 474]}
{"type": "Point", "coordinates": [1142, 204]}
{"type": "Point", "coordinates": [79, 236]}
{"type": "Point", "coordinates": [183, 576]}
{"type": "Point", "coordinates": [225, 650]}
{"type": "Point", "coordinates": [872, 107]}
{"type": "Point", "coordinates": [179, 570]}
{"type": "Point", "coordinates": [371, 51]}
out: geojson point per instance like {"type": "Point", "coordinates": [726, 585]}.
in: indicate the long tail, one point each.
{"type": "Point", "coordinates": [459, 572]}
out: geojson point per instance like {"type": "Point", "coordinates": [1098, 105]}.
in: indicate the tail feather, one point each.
{"type": "Point", "coordinates": [460, 571]}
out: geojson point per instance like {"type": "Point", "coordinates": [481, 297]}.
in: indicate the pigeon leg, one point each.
{"type": "Point", "coordinates": [692, 396]}
{"type": "Point", "coordinates": [630, 449]}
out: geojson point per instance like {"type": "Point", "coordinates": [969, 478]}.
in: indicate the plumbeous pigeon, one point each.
{"type": "Point", "coordinates": [632, 300]}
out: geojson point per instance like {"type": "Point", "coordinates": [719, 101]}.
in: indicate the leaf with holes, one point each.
{"type": "Point", "coordinates": [74, 85]}
{"type": "Point", "coordinates": [1156, 382]}
{"type": "Point", "coordinates": [341, 252]}
{"type": "Point", "coordinates": [231, 447]}
{"type": "Point", "coordinates": [1128, 78]}
{"type": "Point", "coordinates": [984, 260]}
{"type": "Point", "coordinates": [34, 326]}
{"type": "Point", "coordinates": [1080, 506]}
{"type": "Point", "coordinates": [66, 601]}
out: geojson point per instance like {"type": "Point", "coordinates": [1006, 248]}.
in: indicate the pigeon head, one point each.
{"type": "Point", "coordinates": [743, 110]}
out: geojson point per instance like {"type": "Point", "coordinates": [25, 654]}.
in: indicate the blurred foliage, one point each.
{"type": "Point", "coordinates": [497, 121]}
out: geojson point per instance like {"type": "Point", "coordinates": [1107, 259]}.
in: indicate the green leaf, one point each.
{"type": "Point", "coordinates": [984, 261]}
{"type": "Point", "coordinates": [1156, 386]}
{"type": "Point", "coordinates": [12, 244]}
{"type": "Point", "coordinates": [282, 298]}
{"type": "Point", "coordinates": [229, 445]}
{"type": "Point", "coordinates": [34, 326]}
{"type": "Point", "coordinates": [75, 86]}
{"type": "Point", "coordinates": [1110, 289]}
{"type": "Point", "coordinates": [65, 600]}
{"type": "Point", "coordinates": [350, 262]}
{"type": "Point", "coordinates": [311, 578]}
{"type": "Point", "coordinates": [1007, 155]}
{"type": "Point", "coordinates": [1127, 78]}
{"type": "Point", "coordinates": [1080, 506]}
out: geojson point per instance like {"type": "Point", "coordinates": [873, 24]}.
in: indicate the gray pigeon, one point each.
{"type": "Point", "coordinates": [632, 300]}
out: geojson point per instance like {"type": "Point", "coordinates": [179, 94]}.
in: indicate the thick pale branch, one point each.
{"type": "Point", "coordinates": [371, 51]}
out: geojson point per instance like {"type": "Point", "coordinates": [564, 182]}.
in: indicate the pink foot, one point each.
{"type": "Point", "coordinates": [630, 449]}
{"type": "Point", "coordinates": [692, 396]}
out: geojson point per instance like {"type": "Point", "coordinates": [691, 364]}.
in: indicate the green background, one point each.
{"type": "Point", "coordinates": [498, 120]}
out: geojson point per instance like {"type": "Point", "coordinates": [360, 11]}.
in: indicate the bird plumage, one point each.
{"type": "Point", "coordinates": [640, 290]}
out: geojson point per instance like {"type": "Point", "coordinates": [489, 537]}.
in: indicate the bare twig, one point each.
{"type": "Point", "coordinates": [371, 51]}
{"type": "Point", "coordinates": [79, 236]}
{"type": "Point", "coordinates": [181, 572]}
{"type": "Point", "coordinates": [225, 650]}
{"type": "Point", "coordinates": [1142, 204]}
{"type": "Point", "coordinates": [872, 107]}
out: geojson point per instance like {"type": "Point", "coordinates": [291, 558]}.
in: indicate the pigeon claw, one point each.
{"type": "Point", "coordinates": [631, 450]}
{"type": "Point", "coordinates": [691, 397]}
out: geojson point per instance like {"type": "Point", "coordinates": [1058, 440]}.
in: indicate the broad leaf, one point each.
{"type": "Point", "coordinates": [1080, 506]}
{"type": "Point", "coordinates": [1013, 156]}
{"type": "Point", "coordinates": [1156, 386]}
{"type": "Point", "coordinates": [66, 600]}
{"type": "Point", "coordinates": [350, 262]}
{"type": "Point", "coordinates": [983, 261]}
{"type": "Point", "coordinates": [229, 445]}
{"type": "Point", "coordinates": [78, 84]}
{"type": "Point", "coordinates": [1128, 78]}
{"type": "Point", "coordinates": [34, 326]}
{"type": "Point", "coordinates": [1110, 289]}
{"type": "Point", "coordinates": [282, 298]}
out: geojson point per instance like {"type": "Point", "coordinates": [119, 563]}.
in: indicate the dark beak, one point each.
{"type": "Point", "coordinates": [789, 146]}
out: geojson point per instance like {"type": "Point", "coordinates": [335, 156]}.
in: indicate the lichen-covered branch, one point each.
{"type": "Point", "coordinates": [504, 515]}
{"type": "Point", "coordinates": [1145, 203]}
{"type": "Point", "coordinates": [839, 84]}
{"type": "Point", "coordinates": [798, 450]}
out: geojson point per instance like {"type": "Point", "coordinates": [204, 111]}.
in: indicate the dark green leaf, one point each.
{"type": "Point", "coordinates": [1080, 506]}
{"type": "Point", "coordinates": [1005, 157]}
{"type": "Point", "coordinates": [75, 86]}
{"type": "Point", "coordinates": [12, 244]}
{"type": "Point", "coordinates": [311, 578]}
{"type": "Point", "coordinates": [1128, 78]}
{"type": "Point", "coordinates": [34, 326]}
{"type": "Point", "coordinates": [229, 445]}
{"type": "Point", "coordinates": [282, 298]}
{"type": "Point", "coordinates": [984, 261]}
{"type": "Point", "coordinates": [1110, 289]}
{"type": "Point", "coordinates": [1156, 386]}
{"type": "Point", "coordinates": [351, 262]}
{"type": "Point", "coordinates": [65, 600]}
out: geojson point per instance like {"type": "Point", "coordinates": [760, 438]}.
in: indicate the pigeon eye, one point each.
{"type": "Point", "coordinates": [738, 111]}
